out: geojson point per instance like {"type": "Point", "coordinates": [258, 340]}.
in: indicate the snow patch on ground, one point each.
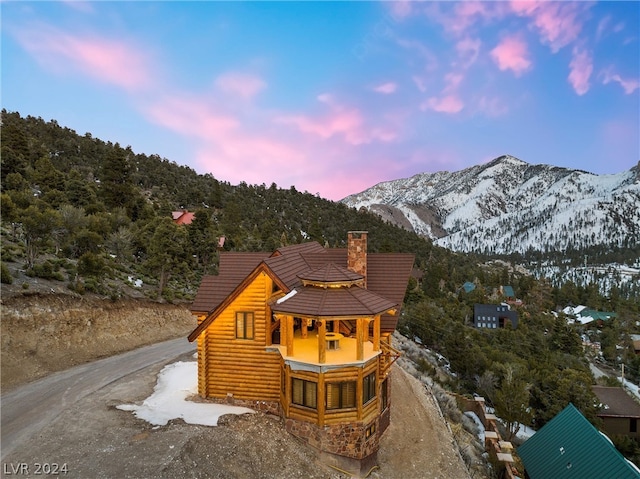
{"type": "Point", "coordinates": [176, 382]}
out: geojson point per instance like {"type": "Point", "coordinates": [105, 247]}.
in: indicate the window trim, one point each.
{"type": "Point", "coordinates": [369, 387]}
{"type": "Point", "coordinates": [244, 316]}
{"type": "Point", "coordinates": [342, 395]}
{"type": "Point", "coordinates": [305, 384]}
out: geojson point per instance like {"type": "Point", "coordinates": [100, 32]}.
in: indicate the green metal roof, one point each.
{"type": "Point", "coordinates": [602, 315]}
{"type": "Point", "coordinates": [568, 446]}
{"type": "Point", "coordinates": [508, 291]}
{"type": "Point", "coordinates": [469, 286]}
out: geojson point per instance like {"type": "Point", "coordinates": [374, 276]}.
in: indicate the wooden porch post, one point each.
{"type": "Point", "coordinates": [376, 333]}
{"type": "Point", "coordinates": [321, 394]}
{"type": "Point", "coordinates": [304, 330]}
{"type": "Point", "coordinates": [322, 342]}
{"type": "Point", "coordinates": [360, 335]}
{"type": "Point", "coordinates": [289, 334]}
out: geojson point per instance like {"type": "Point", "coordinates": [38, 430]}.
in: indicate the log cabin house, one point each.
{"type": "Point", "coordinates": [305, 333]}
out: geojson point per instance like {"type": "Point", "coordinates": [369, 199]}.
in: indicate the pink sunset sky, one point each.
{"type": "Point", "coordinates": [334, 97]}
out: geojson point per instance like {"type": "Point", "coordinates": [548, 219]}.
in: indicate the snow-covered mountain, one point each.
{"type": "Point", "coordinates": [508, 206]}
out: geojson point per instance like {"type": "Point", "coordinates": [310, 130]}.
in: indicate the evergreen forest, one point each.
{"type": "Point", "coordinates": [94, 216]}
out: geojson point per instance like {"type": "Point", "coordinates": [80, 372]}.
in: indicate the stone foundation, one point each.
{"type": "Point", "coordinates": [344, 446]}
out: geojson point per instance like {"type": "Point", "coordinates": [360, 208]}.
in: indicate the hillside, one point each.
{"type": "Point", "coordinates": [508, 205]}
{"type": "Point", "coordinates": [91, 214]}
{"type": "Point", "coordinates": [92, 219]}
{"type": "Point", "coordinates": [564, 225]}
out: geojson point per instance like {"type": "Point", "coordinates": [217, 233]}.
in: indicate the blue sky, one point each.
{"type": "Point", "coordinates": [334, 97]}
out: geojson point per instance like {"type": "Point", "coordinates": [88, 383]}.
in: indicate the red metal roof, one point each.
{"type": "Point", "coordinates": [183, 217]}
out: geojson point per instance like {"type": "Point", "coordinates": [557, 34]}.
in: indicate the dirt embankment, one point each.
{"type": "Point", "coordinates": [45, 333]}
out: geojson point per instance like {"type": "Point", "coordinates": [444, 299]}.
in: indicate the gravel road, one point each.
{"type": "Point", "coordinates": [68, 423]}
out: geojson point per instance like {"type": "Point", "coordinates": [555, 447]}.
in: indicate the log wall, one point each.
{"type": "Point", "coordinates": [240, 368]}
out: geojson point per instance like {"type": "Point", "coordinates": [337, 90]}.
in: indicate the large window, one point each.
{"type": "Point", "coordinates": [244, 325]}
{"type": "Point", "coordinates": [369, 388]}
{"type": "Point", "coordinates": [304, 393]}
{"type": "Point", "coordinates": [341, 395]}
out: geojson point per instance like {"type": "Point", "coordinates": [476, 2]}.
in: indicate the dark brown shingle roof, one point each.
{"type": "Point", "coordinates": [330, 273]}
{"type": "Point", "coordinates": [387, 276]}
{"type": "Point", "coordinates": [616, 402]}
{"type": "Point", "coordinates": [343, 302]}
{"type": "Point", "coordinates": [234, 267]}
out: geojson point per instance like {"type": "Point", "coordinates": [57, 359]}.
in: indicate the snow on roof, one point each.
{"type": "Point", "coordinates": [574, 309]}
{"type": "Point", "coordinates": [176, 382]}
{"type": "Point", "coordinates": [290, 294]}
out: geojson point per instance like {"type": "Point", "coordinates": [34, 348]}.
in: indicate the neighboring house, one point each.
{"type": "Point", "coordinates": [620, 414]}
{"type": "Point", "coordinates": [468, 287]}
{"type": "Point", "coordinates": [635, 339]}
{"type": "Point", "coordinates": [508, 293]}
{"type": "Point", "coordinates": [583, 315]}
{"type": "Point", "coordinates": [569, 446]}
{"type": "Point", "coordinates": [494, 316]}
{"type": "Point", "coordinates": [304, 332]}
{"type": "Point", "coordinates": [183, 217]}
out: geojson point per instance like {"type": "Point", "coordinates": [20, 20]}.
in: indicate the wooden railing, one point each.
{"type": "Point", "coordinates": [389, 356]}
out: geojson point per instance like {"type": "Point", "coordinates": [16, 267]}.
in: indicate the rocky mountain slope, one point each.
{"type": "Point", "coordinates": [508, 205]}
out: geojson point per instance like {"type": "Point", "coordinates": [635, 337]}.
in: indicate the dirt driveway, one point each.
{"type": "Point", "coordinates": [93, 439]}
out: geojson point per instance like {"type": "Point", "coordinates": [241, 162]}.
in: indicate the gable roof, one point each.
{"type": "Point", "coordinates": [616, 402]}
{"type": "Point", "coordinates": [233, 267]}
{"type": "Point", "coordinates": [568, 446]}
{"type": "Point", "coordinates": [387, 276]}
{"type": "Point", "coordinates": [508, 291]}
{"type": "Point", "coordinates": [469, 286]}
{"type": "Point", "coordinates": [183, 217]}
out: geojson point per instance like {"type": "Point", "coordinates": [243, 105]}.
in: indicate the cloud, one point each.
{"type": "Point", "coordinates": [557, 23]}
{"type": "Point", "coordinates": [192, 116]}
{"type": "Point", "coordinates": [464, 15]}
{"type": "Point", "coordinates": [341, 121]}
{"type": "Point", "coordinates": [114, 62]}
{"type": "Point", "coordinates": [241, 84]}
{"type": "Point", "coordinates": [400, 9]}
{"type": "Point", "coordinates": [468, 50]}
{"type": "Point", "coordinates": [628, 85]}
{"type": "Point", "coordinates": [581, 68]}
{"type": "Point", "coordinates": [386, 88]}
{"type": "Point", "coordinates": [603, 25]}
{"type": "Point", "coordinates": [79, 5]}
{"type": "Point", "coordinates": [492, 106]}
{"type": "Point", "coordinates": [512, 54]}
{"type": "Point", "coordinates": [445, 104]}
{"type": "Point", "coordinates": [224, 145]}
{"type": "Point", "coordinates": [420, 83]}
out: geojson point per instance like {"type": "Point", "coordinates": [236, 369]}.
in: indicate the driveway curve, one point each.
{"type": "Point", "coordinates": [29, 408]}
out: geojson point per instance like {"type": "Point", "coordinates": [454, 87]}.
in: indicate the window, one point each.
{"type": "Point", "coordinates": [371, 430]}
{"type": "Point", "coordinates": [385, 394]}
{"type": "Point", "coordinates": [369, 388]}
{"type": "Point", "coordinates": [341, 395]}
{"type": "Point", "coordinates": [244, 325]}
{"type": "Point", "coordinates": [633, 425]}
{"type": "Point", "coordinates": [304, 393]}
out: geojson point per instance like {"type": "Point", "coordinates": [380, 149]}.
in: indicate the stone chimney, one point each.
{"type": "Point", "coordinates": [357, 253]}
